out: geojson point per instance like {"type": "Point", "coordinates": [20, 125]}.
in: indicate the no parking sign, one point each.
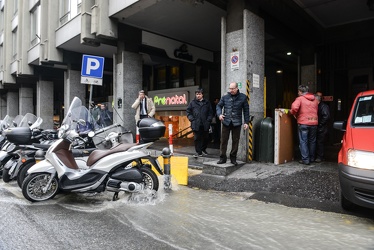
{"type": "Point", "coordinates": [234, 60]}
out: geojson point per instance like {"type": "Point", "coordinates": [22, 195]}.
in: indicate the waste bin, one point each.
{"type": "Point", "coordinates": [264, 140]}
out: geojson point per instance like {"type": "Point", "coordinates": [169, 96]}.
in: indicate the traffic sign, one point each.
{"type": "Point", "coordinates": [92, 70]}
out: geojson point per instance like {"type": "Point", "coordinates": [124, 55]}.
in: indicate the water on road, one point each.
{"type": "Point", "coordinates": [195, 219]}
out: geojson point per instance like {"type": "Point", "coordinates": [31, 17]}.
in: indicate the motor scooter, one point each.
{"type": "Point", "coordinates": [31, 154]}
{"type": "Point", "coordinates": [8, 147]}
{"type": "Point", "coordinates": [125, 167]}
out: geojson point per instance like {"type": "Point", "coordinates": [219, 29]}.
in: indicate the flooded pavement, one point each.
{"type": "Point", "coordinates": [183, 218]}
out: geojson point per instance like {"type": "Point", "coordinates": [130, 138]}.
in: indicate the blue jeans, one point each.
{"type": "Point", "coordinates": [307, 138]}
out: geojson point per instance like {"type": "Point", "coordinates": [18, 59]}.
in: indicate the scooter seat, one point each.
{"type": "Point", "coordinates": [100, 153]}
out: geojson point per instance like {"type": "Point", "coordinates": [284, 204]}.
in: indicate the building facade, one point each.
{"type": "Point", "coordinates": [171, 47]}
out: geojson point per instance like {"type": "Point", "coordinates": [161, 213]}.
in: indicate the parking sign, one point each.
{"type": "Point", "coordinates": [92, 70]}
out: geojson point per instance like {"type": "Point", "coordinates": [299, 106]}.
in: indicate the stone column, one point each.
{"type": "Point", "coordinates": [127, 83]}
{"type": "Point", "coordinates": [73, 87]}
{"type": "Point", "coordinates": [3, 107]}
{"type": "Point", "coordinates": [12, 104]}
{"type": "Point", "coordinates": [26, 101]}
{"type": "Point", "coordinates": [247, 41]}
{"type": "Point", "coordinates": [44, 103]}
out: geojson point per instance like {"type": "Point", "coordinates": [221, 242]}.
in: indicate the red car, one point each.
{"type": "Point", "coordinates": [356, 157]}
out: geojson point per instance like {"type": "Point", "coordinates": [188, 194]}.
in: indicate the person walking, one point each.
{"type": "Point", "coordinates": [323, 118]}
{"type": "Point", "coordinates": [230, 110]}
{"type": "Point", "coordinates": [200, 114]}
{"type": "Point", "coordinates": [305, 110]}
{"type": "Point", "coordinates": [144, 107]}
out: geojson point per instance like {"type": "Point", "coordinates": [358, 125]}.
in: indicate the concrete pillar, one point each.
{"type": "Point", "coordinates": [248, 42]}
{"type": "Point", "coordinates": [12, 104]}
{"type": "Point", "coordinates": [44, 103]}
{"type": "Point", "coordinates": [127, 83]}
{"type": "Point", "coordinates": [26, 101]}
{"type": "Point", "coordinates": [73, 87]}
{"type": "Point", "coordinates": [3, 107]}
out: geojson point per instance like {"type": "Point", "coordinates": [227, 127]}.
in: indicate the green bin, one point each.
{"type": "Point", "coordinates": [264, 140]}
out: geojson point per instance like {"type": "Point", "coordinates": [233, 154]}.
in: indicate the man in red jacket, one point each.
{"type": "Point", "coordinates": [305, 110]}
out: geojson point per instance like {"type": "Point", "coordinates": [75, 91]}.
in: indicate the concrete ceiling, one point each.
{"type": "Point", "coordinates": [198, 22]}
{"type": "Point", "coordinates": [331, 13]}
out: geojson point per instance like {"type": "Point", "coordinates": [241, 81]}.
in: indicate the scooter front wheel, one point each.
{"type": "Point", "coordinates": [150, 179]}
{"type": "Point", "coordinates": [34, 184]}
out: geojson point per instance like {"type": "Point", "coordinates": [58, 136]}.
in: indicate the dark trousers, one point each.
{"type": "Point", "coordinates": [235, 136]}
{"type": "Point", "coordinates": [321, 136]}
{"type": "Point", "coordinates": [307, 138]}
{"type": "Point", "coordinates": [201, 139]}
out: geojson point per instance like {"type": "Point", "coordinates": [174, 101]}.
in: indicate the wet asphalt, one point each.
{"type": "Point", "coordinates": [292, 184]}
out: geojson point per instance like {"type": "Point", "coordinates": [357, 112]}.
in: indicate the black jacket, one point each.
{"type": "Point", "coordinates": [323, 114]}
{"type": "Point", "coordinates": [233, 107]}
{"type": "Point", "coordinates": [200, 114]}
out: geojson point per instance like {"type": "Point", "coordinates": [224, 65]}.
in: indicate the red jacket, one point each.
{"type": "Point", "coordinates": [305, 109]}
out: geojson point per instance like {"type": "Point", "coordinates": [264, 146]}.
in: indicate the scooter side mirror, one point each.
{"type": "Point", "coordinates": [82, 122]}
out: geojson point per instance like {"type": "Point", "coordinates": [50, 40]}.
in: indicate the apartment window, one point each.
{"type": "Point", "coordinates": [64, 7]}
{"type": "Point", "coordinates": [1, 58]}
{"type": "Point", "coordinates": [35, 25]}
{"type": "Point", "coordinates": [79, 6]}
{"type": "Point", "coordinates": [15, 6]}
{"type": "Point", "coordinates": [69, 9]}
{"type": "Point", "coordinates": [14, 43]}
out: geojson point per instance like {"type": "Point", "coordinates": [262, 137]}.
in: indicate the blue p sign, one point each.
{"type": "Point", "coordinates": [92, 66]}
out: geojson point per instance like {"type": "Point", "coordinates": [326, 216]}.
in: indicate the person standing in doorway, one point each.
{"type": "Point", "coordinates": [305, 110]}
{"type": "Point", "coordinates": [323, 118]}
{"type": "Point", "coordinates": [144, 107]}
{"type": "Point", "coordinates": [230, 110]}
{"type": "Point", "coordinates": [105, 116]}
{"type": "Point", "coordinates": [200, 114]}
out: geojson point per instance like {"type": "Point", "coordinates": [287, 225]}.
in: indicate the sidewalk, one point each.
{"type": "Point", "coordinates": [290, 184]}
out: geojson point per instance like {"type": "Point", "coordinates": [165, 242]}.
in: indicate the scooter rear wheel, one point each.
{"type": "Point", "coordinates": [150, 179]}
{"type": "Point", "coordinates": [33, 185]}
{"type": "Point", "coordinates": [6, 175]}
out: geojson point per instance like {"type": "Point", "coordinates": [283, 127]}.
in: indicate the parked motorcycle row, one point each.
{"type": "Point", "coordinates": [79, 157]}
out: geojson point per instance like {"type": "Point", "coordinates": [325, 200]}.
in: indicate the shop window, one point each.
{"type": "Point", "coordinates": [174, 77]}
{"type": "Point", "coordinates": [189, 74]}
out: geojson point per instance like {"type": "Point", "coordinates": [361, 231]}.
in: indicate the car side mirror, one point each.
{"type": "Point", "coordinates": [340, 125]}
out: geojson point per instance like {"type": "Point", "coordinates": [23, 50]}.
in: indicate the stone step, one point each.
{"type": "Point", "coordinates": [211, 167]}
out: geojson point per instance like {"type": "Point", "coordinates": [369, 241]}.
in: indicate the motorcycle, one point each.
{"type": "Point", "coordinates": [122, 168]}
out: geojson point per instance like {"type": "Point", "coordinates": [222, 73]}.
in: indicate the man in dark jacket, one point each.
{"type": "Point", "coordinates": [323, 118]}
{"type": "Point", "coordinates": [234, 104]}
{"type": "Point", "coordinates": [200, 114]}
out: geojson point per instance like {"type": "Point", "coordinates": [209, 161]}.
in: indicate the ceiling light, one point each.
{"type": "Point", "coordinates": [289, 53]}
{"type": "Point", "coordinates": [279, 71]}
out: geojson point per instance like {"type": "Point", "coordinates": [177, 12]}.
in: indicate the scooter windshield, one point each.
{"type": "Point", "coordinates": [28, 120]}
{"type": "Point", "coordinates": [6, 122]}
{"type": "Point", "coordinates": [79, 118]}
{"type": "Point", "coordinates": [17, 120]}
